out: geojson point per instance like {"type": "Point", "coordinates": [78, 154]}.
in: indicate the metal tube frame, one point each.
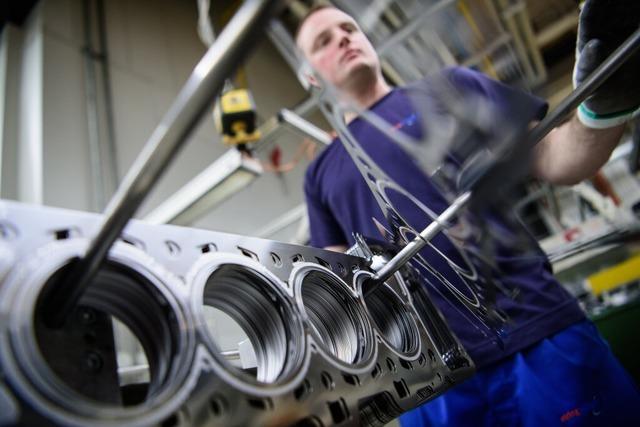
{"type": "Point", "coordinates": [304, 127]}
{"type": "Point", "coordinates": [91, 100]}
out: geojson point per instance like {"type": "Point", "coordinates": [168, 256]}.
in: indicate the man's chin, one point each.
{"type": "Point", "coordinates": [359, 74]}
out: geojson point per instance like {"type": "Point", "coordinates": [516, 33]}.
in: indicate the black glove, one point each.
{"type": "Point", "coordinates": [604, 25]}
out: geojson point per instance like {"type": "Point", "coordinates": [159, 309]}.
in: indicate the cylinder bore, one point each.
{"type": "Point", "coordinates": [252, 299]}
{"type": "Point", "coordinates": [132, 299]}
{"type": "Point", "coordinates": [76, 365]}
{"type": "Point", "coordinates": [393, 320]}
{"type": "Point", "coordinates": [336, 318]}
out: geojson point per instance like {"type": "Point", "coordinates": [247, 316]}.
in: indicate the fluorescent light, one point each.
{"type": "Point", "coordinates": [305, 127]}
{"type": "Point", "coordinates": [232, 172]}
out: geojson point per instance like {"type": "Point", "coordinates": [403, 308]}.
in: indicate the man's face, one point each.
{"type": "Point", "coordinates": [336, 48]}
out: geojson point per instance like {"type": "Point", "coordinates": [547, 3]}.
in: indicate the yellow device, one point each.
{"type": "Point", "coordinates": [235, 117]}
{"type": "Point", "coordinates": [616, 276]}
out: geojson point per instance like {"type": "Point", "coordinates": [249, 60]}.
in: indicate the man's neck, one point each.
{"type": "Point", "coordinates": [367, 95]}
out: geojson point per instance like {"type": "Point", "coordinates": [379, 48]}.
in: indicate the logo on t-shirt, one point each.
{"type": "Point", "coordinates": [407, 121]}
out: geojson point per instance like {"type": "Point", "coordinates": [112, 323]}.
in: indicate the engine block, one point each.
{"type": "Point", "coordinates": [324, 354]}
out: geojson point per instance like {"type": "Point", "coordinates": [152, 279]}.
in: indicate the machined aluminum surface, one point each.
{"type": "Point", "coordinates": [325, 354]}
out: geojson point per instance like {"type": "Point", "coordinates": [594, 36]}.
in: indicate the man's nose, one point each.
{"type": "Point", "coordinates": [344, 40]}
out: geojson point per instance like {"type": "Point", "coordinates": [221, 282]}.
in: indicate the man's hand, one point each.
{"type": "Point", "coordinates": [604, 25]}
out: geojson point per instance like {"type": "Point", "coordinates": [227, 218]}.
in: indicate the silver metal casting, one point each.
{"type": "Point", "coordinates": [325, 355]}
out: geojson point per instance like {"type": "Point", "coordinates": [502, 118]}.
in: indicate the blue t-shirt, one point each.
{"type": "Point", "coordinates": [340, 203]}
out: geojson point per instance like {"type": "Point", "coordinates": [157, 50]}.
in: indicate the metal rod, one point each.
{"type": "Point", "coordinates": [91, 100]}
{"type": "Point", "coordinates": [570, 103]}
{"type": "Point", "coordinates": [582, 92]}
{"type": "Point", "coordinates": [305, 127]}
{"type": "Point", "coordinates": [413, 247]}
{"type": "Point", "coordinates": [192, 102]}
{"type": "Point", "coordinates": [412, 26]}
{"type": "Point", "coordinates": [112, 158]}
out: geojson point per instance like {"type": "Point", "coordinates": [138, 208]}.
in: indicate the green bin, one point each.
{"type": "Point", "coordinates": [620, 326]}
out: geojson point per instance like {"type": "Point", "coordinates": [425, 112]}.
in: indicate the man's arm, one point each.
{"type": "Point", "coordinates": [573, 152]}
{"type": "Point", "coordinates": [577, 149]}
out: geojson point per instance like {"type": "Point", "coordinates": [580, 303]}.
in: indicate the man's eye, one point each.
{"type": "Point", "coordinates": [349, 28]}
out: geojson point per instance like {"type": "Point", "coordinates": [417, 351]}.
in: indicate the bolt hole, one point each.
{"type": "Point", "coordinates": [86, 315]}
{"type": "Point", "coordinates": [276, 260]}
{"type": "Point", "coordinates": [401, 388]}
{"type": "Point", "coordinates": [391, 365]}
{"type": "Point", "coordinates": [62, 234]}
{"type": "Point", "coordinates": [218, 406]}
{"type": "Point", "coordinates": [351, 379]}
{"type": "Point", "coordinates": [303, 390]}
{"type": "Point", "coordinates": [339, 411]}
{"type": "Point", "coordinates": [173, 248]}
{"type": "Point", "coordinates": [208, 247]}
{"type": "Point", "coordinates": [133, 242]}
{"type": "Point", "coordinates": [377, 372]}
{"type": "Point", "coordinates": [248, 253]}
{"type": "Point", "coordinates": [262, 404]}
{"type": "Point", "coordinates": [327, 381]}
{"type": "Point", "coordinates": [406, 365]}
{"type": "Point", "coordinates": [323, 263]}
{"type": "Point", "coordinates": [422, 359]}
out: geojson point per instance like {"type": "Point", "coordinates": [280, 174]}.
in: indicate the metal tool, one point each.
{"type": "Point", "coordinates": [411, 249]}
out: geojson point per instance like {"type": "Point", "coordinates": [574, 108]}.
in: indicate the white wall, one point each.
{"type": "Point", "coordinates": [10, 47]}
{"type": "Point", "coordinates": [22, 98]}
{"type": "Point", "coordinates": [67, 181]}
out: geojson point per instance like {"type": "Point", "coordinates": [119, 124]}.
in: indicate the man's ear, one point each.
{"type": "Point", "coordinates": [306, 76]}
{"type": "Point", "coordinates": [311, 78]}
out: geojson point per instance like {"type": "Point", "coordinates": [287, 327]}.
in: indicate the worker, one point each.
{"type": "Point", "coordinates": [552, 368]}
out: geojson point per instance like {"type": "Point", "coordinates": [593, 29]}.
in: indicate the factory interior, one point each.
{"type": "Point", "coordinates": [157, 259]}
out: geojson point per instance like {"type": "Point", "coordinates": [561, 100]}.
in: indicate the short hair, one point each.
{"type": "Point", "coordinates": [311, 11]}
